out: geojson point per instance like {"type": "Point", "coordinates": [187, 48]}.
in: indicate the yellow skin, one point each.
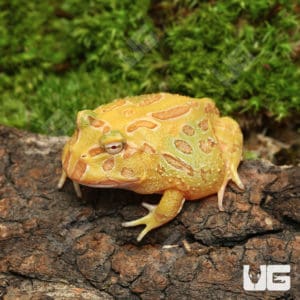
{"type": "Point", "coordinates": [159, 143]}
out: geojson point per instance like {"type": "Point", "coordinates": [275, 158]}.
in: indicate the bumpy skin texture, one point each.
{"type": "Point", "coordinates": [158, 143]}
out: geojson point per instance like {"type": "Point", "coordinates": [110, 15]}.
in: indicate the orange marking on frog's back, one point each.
{"type": "Point", "coordinates": [205, 174]}
{"type": "Point", "coordinates": [66, 160]}
{"type": "Point", "coordinates": [129, 151]}
{"type": "Point", "coordinates": [203, 124]}
{"type": "Point", "coordinates": [114, 105]}
{"type": "Point", "coordinates": [141, 123]}
{"type": "Point", "coordinates": [106, 129]}
{"type": "Point", "coordinates": [149, 99]}
{"type": "Point", "coordinates": [194, 104]}
{"type": "Point", "coordinates": [211, 109]}
{"type": "Point", "coordinates": [178, 164]}
{"type": "Point", "coordinates": [95, 151]}
{"type": "Point", "coordinates": [171, 113]}
{"type": "Point", "coordinates": [95, 122]}
{"type": "Point", "coordinates": [108, 164]}
{"type": "Point", "coordinates": [207, 145]}
{"type": "Point", "coordinates": [183, 146]}
{"type": "Point", "coordinates": [232, 148]}
{"type": "Point", "coordinates": [188, 130]}
{"type": "Point", "coordinates": [79, 170]}
{"type": "Point", "coordinates": [148, 148]}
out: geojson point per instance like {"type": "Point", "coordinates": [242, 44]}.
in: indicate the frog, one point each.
{"type": "Point", "coordinates": [161, 143]}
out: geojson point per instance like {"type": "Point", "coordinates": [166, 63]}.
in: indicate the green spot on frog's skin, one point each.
{"type": "Point", "coordinates": [113, 136]}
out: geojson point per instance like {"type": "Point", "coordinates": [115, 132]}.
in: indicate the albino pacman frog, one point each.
{"type": "Point", "coordinates": [161, 143]}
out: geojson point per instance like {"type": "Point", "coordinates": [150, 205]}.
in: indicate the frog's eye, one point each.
{"type": "Point", "coordinates": [112, 142]}
{"type": "Point", "coordinates": [114, 148]}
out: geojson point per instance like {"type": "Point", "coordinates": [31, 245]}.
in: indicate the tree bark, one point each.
{"type": "Point", "coordinates": [56, 246]}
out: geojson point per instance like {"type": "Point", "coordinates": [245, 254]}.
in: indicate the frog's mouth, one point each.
{"type": "Point", "coordinates": [83, 174]}
{"type": "Point", "coordinates": [111, 183]}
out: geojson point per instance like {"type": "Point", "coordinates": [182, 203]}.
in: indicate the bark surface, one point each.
{"type": "Point", "coordinates": [56, 246]}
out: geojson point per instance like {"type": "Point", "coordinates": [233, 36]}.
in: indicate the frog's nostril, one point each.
{"type": "Point", "coordinates": [83, 156]}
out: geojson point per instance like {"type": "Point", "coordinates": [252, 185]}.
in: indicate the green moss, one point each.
{"type": "Point", "coordinates": [235, 54]}
{"type": "Point", "coordinates": [58, 57]}
{"type": "Point", "coordinates": [250, 155]}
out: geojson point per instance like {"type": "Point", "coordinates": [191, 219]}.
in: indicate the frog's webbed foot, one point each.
{"type": "Point", "coordinates": [167, 209]}
{"type": "Point", "coordinates": [149, 220]}
{"type": "Point", "coordinates": [62, 181]}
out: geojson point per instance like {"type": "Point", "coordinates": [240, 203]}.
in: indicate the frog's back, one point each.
{"type": "Point", "coordinates": [177, 128]}
{"type": "Point", "coordinates": [157, 115]}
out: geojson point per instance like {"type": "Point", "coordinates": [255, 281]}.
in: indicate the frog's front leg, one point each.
{"type": "Point", "coordinates": [62, 181]}
{"type": "Point", "coordinates": [168, 208]}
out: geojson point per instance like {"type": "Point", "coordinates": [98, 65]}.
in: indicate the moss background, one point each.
{"type": "Point", "coordinates": [58, 57]}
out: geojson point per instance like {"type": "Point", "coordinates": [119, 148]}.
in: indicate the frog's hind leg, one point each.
{"type": "Point", "coordinates": [230, 139]}
{"type": "Point", "coordinates": [168, 208]}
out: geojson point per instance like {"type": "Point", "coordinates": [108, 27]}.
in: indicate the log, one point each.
{"type": "Point", "coordinates": [56, 246]}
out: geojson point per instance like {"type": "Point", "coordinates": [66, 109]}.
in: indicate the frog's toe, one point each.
{"type": "Point", "coordinates": [236, 179]}
{"type": "Point", "coordinates": [62, 179]}
{"type": "Point", "coordinates": [150, 207]}
{"type": "Point", "coordinates": [77, 189]}
{"type": "Point", "coordinates": [168, 207]}
{"type": "Point", "coordinates": [149, 220]}
{"type": "Point", "coordinates": [221, 197]}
